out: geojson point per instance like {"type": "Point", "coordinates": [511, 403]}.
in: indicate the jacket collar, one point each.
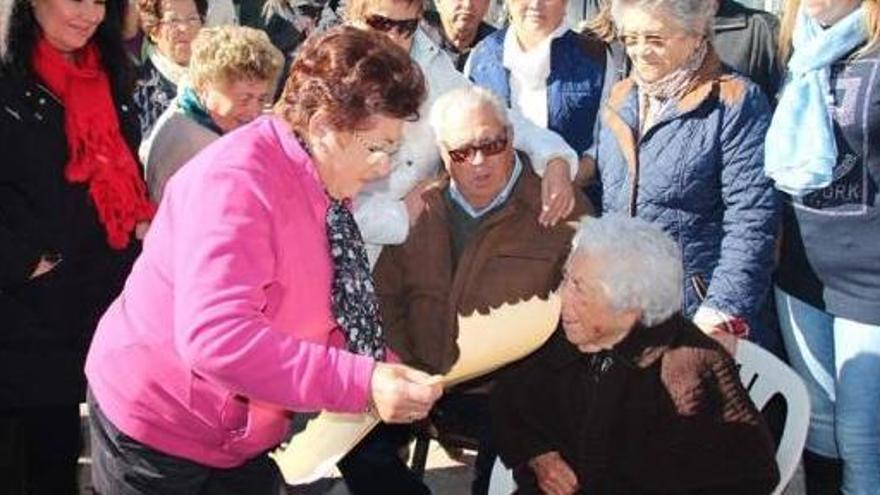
{"type": "Point", "coordinates": [731, 16]}
{"type": "Point", "coordinates": [433, 28]}
{"type": "Point", "coordinates": [641, 349]}
{"type": "Point", "coordinates": [520, 196]}
{"type": "Point", "coordinates": [620, 113]}
{"type": "Point", "coordinates": [526, 197]}
{"type": "Point", "coordinates": [497, 201]}
{"type": "Point", "coordinates": [708, 77]}
{"type": "Point", "coordinates": [423, 49]}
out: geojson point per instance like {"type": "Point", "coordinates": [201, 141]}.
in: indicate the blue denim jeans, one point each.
{"type": "Point", "coordinates": [839, 361]}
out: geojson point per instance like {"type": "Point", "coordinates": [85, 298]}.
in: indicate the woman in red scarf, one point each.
{"type": "Point", "coordinates": [72, 206]}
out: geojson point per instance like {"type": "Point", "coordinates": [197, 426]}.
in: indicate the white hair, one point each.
{"type": "Point", "coordinates": [694, 16]}
{"type": "Point", "coordinates": [462, 99]}
{"type": "Point", "coordinates": [640, 264]}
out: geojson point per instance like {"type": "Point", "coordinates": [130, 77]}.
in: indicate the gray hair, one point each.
{"type": "Point", "coordinates": [641, 266]}
{"type": "Point", "coordinates": [694, 16]}
{"type": "Point", "coordinates": [461, 99]}
{"type": "Point", "coordinates": [7, 10]}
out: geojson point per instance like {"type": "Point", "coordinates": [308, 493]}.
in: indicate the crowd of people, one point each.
{"type": "Point", "coordinates": [217, 214]}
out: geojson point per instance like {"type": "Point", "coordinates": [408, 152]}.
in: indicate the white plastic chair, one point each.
{"type": "Point", "coordinates": [764, 375]}
{"type": "Point", "coordinates": [501, 481]}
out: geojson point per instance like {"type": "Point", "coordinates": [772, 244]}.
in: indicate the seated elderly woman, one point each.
{"type": "Point", "coordinates": [232, 76]}
{"type": "Point", "coordinates": [629, 397]}
{"type": "Point", "coordinates": [170, 27]}
{"type": "Point", "coordinates": [682, 146]}
{"type": "Point", "coordinates": [551, 74]}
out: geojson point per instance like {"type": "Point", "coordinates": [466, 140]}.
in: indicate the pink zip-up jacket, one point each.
{"type": "Point", "coordinates": [224, 325]}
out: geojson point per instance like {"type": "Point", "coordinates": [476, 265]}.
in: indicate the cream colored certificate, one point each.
{"type": "Point", "coordinates": [485, 342]}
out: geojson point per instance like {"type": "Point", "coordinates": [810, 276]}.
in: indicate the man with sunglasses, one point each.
{"type": "Point", "coordinates": [387, 208]}
{"type": "Point", "coordinates": [477, 245]}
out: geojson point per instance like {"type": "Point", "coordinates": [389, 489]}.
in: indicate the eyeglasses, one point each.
{"type": "Point", "coordinates": [469, 151]}
{"type": "Point", "coordinates": [191, 21]}
{"type": "Point", "coordinates": [654, 41]}
{"type": "Point", "coordinates": [404, 27]}
{"type": "Point", "coordinates": [373, 147]}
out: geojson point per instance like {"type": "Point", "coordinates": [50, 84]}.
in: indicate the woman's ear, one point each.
{"type": "Point", "coordinates": [151, 34]}
{"type": "Point", "coordinates": [319, 126]}
{"type": "Point", "coordinates": [322, 136]}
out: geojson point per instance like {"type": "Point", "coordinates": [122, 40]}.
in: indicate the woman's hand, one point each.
{"type": "Point", "coordinates": [402, 394]}
{"type": "Point", "coordinates": [586, 171]}
{"type": "Point", "coordinates": [46, 264]}
{"type": "Point", "coordinates": [724, 328]}
{"type": "Point", "coordinates": [557, 193]}
{"type": "Point", "coordinates": [555, 477]}
{"type": "Point", "coordinates": [727, 341]}
{"type": "Point", "coordinates": [140, 230]}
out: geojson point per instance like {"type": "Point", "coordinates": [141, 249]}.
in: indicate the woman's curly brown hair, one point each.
{"type": "Point", "coordinates": [351, 75]}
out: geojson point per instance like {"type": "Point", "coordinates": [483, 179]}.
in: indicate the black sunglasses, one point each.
{"type": "Point", "coordinates": [404, 27]}
{"type": "Point", "coordinates": [468, 152]}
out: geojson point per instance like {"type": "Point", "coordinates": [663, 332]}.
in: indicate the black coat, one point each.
{"type": "Point", "coordinates": [745, 39]}
{"type": "Point", "coordinates": [46, 323]}
{"type": "Point", "coordinates": [663, 412]}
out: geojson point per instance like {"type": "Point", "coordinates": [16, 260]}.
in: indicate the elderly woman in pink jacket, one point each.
{"type": "Point", "coordinates": [252, 297]}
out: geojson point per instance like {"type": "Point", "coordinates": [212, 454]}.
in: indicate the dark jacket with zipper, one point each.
{"type": "Point", "coordinates": [47, 322]}
{"type": "Point", "coordinates": [745, 39]}
{"type": "Point", "coordinates": [698, 173]}
{"type": "Point", "coordinates": [663, 412]}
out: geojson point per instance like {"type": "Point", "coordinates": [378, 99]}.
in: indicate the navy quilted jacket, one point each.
{"type": "Point", "coordinates": [700, 177]}
{"type": "Point", "coordinates": [574, 87]}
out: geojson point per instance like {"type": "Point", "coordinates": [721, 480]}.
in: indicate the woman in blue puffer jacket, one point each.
{"type": "Point", "coordinates": [682, 146]}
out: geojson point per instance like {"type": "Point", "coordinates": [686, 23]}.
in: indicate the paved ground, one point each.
{"type": "Point", "coordinates": [443, 475]}
{"type": "Point", "coordinates": [447, 477]}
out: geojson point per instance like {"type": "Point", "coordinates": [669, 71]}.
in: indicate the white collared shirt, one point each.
{"type": "Point", "coordinates": [529, 71]}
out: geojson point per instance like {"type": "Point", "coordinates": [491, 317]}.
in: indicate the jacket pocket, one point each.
{"type": "Point", "coordinates": [234, 415]}
{"type": "Point", "coordinates": [533, 253]}
{"type": "Point", "coordinates": [274, 293]}
{"type": "Point", "coordinates": [216, 408]}
{"type": "Point", "coordinates": [514, 274]}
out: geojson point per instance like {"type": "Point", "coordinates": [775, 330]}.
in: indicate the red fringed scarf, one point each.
{"type": "Point", "coordinates": [99, 155]}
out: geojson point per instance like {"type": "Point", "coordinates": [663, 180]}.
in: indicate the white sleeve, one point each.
{"type": "Point", "coordinates": [221, 13]}
{"type": "Point", "coordinates": [381, 219]}
{"type": "Point", "coordinates": [444, 75]}
{"type": "Point", "coordinates": [542, 145]}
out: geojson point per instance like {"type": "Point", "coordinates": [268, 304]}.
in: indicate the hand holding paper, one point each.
{"type": "Point", "coordinates": [485, 342]}
{"type": "Point", "coordinates": [401, 394]}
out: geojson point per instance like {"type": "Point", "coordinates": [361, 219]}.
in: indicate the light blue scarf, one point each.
{"type": "Point", "coordinates": [800, 149]}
